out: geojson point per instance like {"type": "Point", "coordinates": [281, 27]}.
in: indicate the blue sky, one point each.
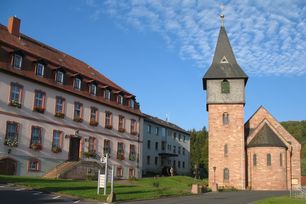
{"type": "Point", "coordinates": [159, 50]}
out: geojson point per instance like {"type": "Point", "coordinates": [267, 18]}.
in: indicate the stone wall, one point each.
{"type": "Point", "coordinates": [231, 134]}
{"type": "Point", "coordinates": [264, 177]}
{"type": "Point", "coordinates": [294, 147]}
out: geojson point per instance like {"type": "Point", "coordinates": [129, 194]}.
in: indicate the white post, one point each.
{"type": "Point", "coordinates": [98, 189]}
{"type": "Point", "coordinates": [112, 181]}
{"type": "Point", "coordinates": [105, 181]}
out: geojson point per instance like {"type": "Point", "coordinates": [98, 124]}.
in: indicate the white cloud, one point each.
{"type": "Point", "coordinates": [268, 37]}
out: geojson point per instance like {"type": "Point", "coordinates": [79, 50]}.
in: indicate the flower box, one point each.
{"type": "Point", "coordinates": [15, 104]}
{"type": "Point", "coordinates": [109, 127]}
{"type": "Point", "coordinates": [59, 115]}
{"type": "Point", "coordinates": [56, 149]}
{"type": "Point", "coordinates": [36, 147]}
{"type": "Point", "coordinates": [93, 123]}
{"type": "Point", "coordinates": [78, 119]}
{"type": "Point", "coordinates": [91, 154]}
{"type": "Point", "coordinates": [39, 109]}
{"type": "Point", "coordinates": [11, 142]}
{"type": "Point", "coordinates": [120, 156]}
{"type": "Point", "coordinates": [121, 130]}
{"type": "Point", "coordinates": [132, 157]}
{"type": "Point", "coordinates": [134, 133]}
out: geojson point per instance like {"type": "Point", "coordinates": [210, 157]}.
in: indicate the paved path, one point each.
{"type": "Point", "coordinates": [241, 197]}
{"type": "Point", "coordinates": [10, 194]}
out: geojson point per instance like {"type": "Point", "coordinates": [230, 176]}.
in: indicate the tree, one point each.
{"type": "Point", "coordinates": [199, 150]}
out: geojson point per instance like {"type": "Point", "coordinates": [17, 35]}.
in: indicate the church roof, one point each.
{"type": "Point", "coordinates": [224, 65]}
{"type": "Point", "coordinates": [266, 137]}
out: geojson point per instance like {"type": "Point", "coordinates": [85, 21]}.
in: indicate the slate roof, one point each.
{"type": "Point", "coordinates": [266, 137]}
{"type": "Point", "coordinates": [229, 68]}
{"type": "Point", "coordinates": [164, 123]}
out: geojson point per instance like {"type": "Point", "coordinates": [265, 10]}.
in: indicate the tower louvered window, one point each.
{"type": "Point", "coordinates": [225, 86]}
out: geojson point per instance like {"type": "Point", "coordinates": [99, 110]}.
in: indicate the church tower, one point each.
{"type": "Point", "coordinates": [224, 83]}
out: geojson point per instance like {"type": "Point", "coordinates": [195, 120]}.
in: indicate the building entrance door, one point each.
{"type": "Point", "coordinates": [8, 166]}
{"type": "Point", "coordinates": [74, 149]}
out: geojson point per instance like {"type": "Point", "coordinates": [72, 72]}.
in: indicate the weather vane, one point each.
{"type": "Point", "coordinates": [222, 15]}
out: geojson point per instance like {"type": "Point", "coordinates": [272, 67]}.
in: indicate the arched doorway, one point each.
{"type": "Point", "coordinates": [8, 166]}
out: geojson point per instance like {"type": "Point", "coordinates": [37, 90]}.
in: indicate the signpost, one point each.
{"type": "Point", "coordinates": [103, 178]}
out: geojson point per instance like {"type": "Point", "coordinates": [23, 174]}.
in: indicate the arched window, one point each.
{"type": "Point", "coordinates": [225, 150]}
{"type": "Point", "coordinates": [226, 175]}
{"type": "Point", "coordinates": [281, 159]}
{"type": "Point", "coordinates": [225, 118]}
{"type": "Point", "coordinates": [225, 86]}
{"type": "Point", "coordinates": [254, 160]}
{"type": "Point", "coordinates": [269, 159]}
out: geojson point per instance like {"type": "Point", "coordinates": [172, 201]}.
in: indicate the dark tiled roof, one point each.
{"type": "Point", "coordinates": [164, 123]}
{"type": "Point", "coordinates": [229, 69]}
{"type": "Point", "coordinates": [266, 137]}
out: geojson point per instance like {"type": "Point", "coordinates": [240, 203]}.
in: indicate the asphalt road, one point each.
{"type": "Point", "coordinates": [241, 197]}
{"type": "Point", "coordinates": [16, 195]}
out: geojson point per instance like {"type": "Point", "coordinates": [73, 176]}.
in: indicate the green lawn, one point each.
{"type": "Point", "coordinates": [281, 200]}
{"type": "Point", "coordinates": [127, 190]}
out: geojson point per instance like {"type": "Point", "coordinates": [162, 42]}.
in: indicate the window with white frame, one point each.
{"type": "Point", "coordinates": [56, 142]}
{"type": "Point", "coordinates": [133, 127]}
{"type": "Point", "coordinates": [17, 61]}
{"type": "Point", "coordinates": [120, 99]}
{"type": "Point", "coordinates": [59, 104]}
{"type": "Point", "coordinates": [132, 103]}
{"type": "Point", "coordinates": [107, 147]}
{"type": "Point", "coordinates": [91, 144]}
{"type": "Point", "coordinates": [36, 135]}
{"type": "Point", "coordinates": [11, 137]}
{"type": "Point", "coordinates": [40, 69]}
{"type": "Point", "coordinates": [15, 95]}
{"type": "Point", "coordinates": [78, 109]}
{"type": "Point", "coordinates": [93, 89]}
{"type": "Point", "coordinates": [93, 114]}
{"type": "Point", "coordinates": [107, 94]}
{"type": "Point", "coordinates": [59, 77]}
{"type": "Point", "coordinates": [34, 165]}
{"type": "Point", "coordinates": [39, 100]}
{"type": "Point", "coordinates": [108, 120]}
{"type": "Point", "coordinates": [77, 83]}
{"type": "Point", "coordinates": [119, 171]}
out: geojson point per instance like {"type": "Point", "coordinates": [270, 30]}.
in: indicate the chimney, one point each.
{"type": "Point", "coordinates": [14, 25]}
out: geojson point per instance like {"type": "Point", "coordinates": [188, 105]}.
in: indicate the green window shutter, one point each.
{"type": "Point", "coordinates": [225, 86]}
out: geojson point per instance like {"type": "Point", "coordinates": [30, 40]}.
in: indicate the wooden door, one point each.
{"type": "Point", "coordinates": [8, 166]}
{"type": "Point", "coordinates": [74, 149]}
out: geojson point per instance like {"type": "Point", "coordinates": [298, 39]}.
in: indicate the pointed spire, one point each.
{"type": "Point", "coordinates": [224, 64]}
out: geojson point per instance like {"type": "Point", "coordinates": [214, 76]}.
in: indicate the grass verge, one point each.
{"type": "Point", "coordinates": [281, 200]}
{"type": "Point", "coordinates": [146, 188]}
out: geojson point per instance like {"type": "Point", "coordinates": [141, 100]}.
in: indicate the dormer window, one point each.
{"type": "Point", "coordinates": [93, 89]}
{"type": "Point", "coordinates": [225, 87]}
{"type": "Point", "coordinates": [107, 94]}
{"type": "Point", "coordinates": [17, 61]}
{"type": "Point", "coordinates": [120, 99]}
{"type": "Point", "coordinates": [40, 69]}
{"type": "Point", "coordinates": [77, 83]}
{"type": "Point", "coordinates": [132, 103]}
{"type": "Point", "coordinates": [59, 77]}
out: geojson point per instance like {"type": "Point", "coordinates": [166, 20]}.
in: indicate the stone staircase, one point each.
{"type": "Point", "coordinates": [57, 171]}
